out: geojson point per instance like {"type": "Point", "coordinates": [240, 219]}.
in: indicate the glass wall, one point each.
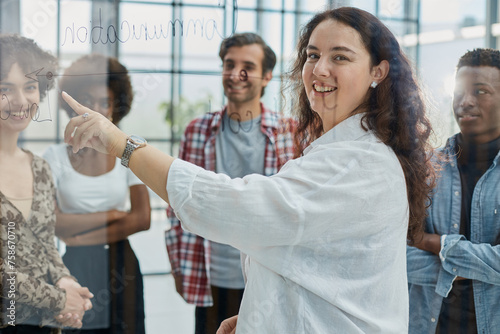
{"type": "Point", "coordinates": [447, 30]}
{"type": "Point", "coordinates": [171, 51]}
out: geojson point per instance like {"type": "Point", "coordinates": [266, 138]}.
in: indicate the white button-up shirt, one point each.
{"type": "Point", "coordinates": [325, 237]}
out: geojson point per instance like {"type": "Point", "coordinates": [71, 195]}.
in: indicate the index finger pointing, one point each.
{"type": "Point", "coordinates": [75, 121]}
{"type": "Point", "coordinates": [74, 104]}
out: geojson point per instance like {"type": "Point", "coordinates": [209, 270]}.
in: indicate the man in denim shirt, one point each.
{"type": "Point", "coordinates": [454, 271]}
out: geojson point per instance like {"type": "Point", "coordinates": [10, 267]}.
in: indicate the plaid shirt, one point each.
{"type": "Point", "coordinates": [189, 254]}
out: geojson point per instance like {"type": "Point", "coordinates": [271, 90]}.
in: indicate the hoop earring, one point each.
{"type": "Point", "coordinates": [374, 84]}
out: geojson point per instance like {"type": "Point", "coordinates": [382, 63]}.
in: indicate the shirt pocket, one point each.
{"type": "Point", "coordinates": [496, 223]}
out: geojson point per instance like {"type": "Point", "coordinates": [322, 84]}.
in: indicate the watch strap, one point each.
{"type": "Point", "coordinates": [129, 148]}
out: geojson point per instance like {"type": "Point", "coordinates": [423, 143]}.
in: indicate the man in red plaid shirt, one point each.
{"type": "Point", "coordinates": [243, 138]}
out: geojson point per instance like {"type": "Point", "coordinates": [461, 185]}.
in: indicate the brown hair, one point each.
{"type": "Point", "coordinates": [248, 38]}
{"type": "Point", "coordinates": [31, 58]}
{"type": "Point", "coordinates": [394, 110]}
{"type": "Point", "coordinates": [94, 69]}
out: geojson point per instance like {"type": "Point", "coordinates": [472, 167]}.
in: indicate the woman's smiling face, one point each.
{"type": "Point", "coordinates": [337, 73]}
{"type": "Point", "coordinates": [20, 97]}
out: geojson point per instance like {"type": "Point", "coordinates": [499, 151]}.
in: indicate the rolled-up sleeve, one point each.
{"type": "Point", "coordinates": [423, 267]}
{"type": "Point", "coordinates": [480, 261]}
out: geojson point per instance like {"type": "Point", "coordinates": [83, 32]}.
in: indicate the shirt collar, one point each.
{"type": "Point", "coordinates": [450, 145]}
{"type": "Point", "coordinates": [348, 130]}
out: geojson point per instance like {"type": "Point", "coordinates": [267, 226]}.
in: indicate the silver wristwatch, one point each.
{"type": "Point", "coordinates": [133, 142]}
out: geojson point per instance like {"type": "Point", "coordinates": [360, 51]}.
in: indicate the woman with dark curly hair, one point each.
{"type": "Point", "coordinates": [38, 292]}
{"type": "Point", "coordinates": [92, 195]}
{"type": "Point", "coordinates": [106, 73]}
{"type": "Point", "coordinates": [325, 237]}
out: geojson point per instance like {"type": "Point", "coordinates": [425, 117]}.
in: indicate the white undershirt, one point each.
{"type": "Point", "coordinates": [78, 193]}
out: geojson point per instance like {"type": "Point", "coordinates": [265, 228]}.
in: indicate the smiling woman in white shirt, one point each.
{"type": "Point", "coordinates": [325, 238]}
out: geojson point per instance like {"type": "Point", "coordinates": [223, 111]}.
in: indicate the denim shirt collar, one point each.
{"type": "Point", "coordinates": [449, 151]}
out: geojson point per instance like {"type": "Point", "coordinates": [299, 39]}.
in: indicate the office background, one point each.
{"type": "Point", "coordinates": [171, 51]}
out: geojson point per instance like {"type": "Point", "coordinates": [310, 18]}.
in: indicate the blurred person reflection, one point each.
{"type": "Point", "coordinates": [36, 286]}
{"type": "Point", "coordinates": [92, 192]}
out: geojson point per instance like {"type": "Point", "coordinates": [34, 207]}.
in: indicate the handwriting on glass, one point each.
{"type": "Point", "coordinates": [33, 109]}
{"type": "Point", "coordinates": [97, 33]}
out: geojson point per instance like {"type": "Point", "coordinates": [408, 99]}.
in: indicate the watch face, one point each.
{"type": "Point", "coordinates": [137, 140]}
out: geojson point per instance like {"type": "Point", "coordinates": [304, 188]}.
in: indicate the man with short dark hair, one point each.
{"type": "Point", "coordinates": [244, 138]}
{"type": "Point", "coordinates": [454, 271]}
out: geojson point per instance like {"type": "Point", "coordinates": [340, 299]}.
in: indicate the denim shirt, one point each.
{"type": "Point", "coordinates": [430, 278]}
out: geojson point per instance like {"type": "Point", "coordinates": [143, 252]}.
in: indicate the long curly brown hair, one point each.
{"type": "Point", "coordinates": [394, 110]}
